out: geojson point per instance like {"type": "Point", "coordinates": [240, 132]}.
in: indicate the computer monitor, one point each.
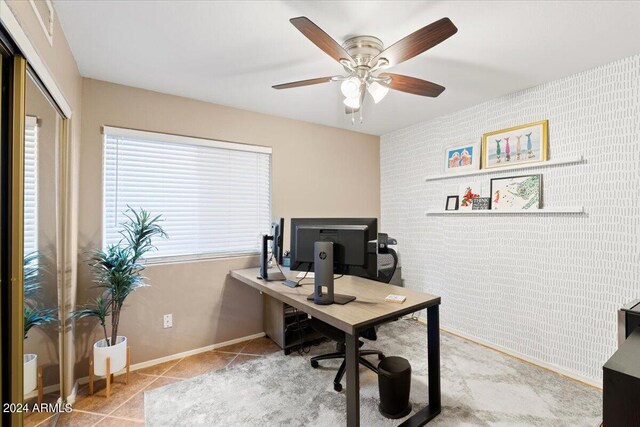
{"type": "Point", "coordinates": [277, 231]}
{"type": "Point", "coordinates": [354, 239]}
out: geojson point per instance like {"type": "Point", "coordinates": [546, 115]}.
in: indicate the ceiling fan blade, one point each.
{"type": "Point", "coordinates": [418, 42]}
{"type": "Point", "coordinates": [303, 83]}
{"type": "Point", "coordinates": [413, 85]}
{"type": "Point", "coordinates": [320, 38]}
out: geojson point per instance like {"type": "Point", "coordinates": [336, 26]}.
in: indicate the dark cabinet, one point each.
{"type": "Point", "coordinates": [621, 384]}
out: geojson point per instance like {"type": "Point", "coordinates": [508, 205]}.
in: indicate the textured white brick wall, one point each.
{"type": "Point", "coordinates": [559, 306]}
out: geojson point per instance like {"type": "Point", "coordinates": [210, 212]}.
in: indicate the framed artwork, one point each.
{"type": "Point", "coordinates": [452, 203]}
{"type": "Point", "coordinates": [481, 204]}
{"type": "Point", "coordinates": [468, 192]}
{"type": "Point", "coordinates": [516, 193]}
{"type": "Point", "coordinates": [462, 158]}
{"type": "Point", "coordinates": [516, 145]}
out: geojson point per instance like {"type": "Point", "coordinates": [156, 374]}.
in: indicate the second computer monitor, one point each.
{"type": "Point", "coordinates": [277, 231]}
{"type": "Point", "coordinates": [355, 250]}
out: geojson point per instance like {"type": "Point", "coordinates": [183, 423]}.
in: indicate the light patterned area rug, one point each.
{"type": "Point", "coordinates": [480, 387]}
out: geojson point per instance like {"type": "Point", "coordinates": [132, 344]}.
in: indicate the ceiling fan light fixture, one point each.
{"type": "Point", "coordinates": [363, 57]}
{"type": "Point", "coordinates": [350, 88]}
{"type": "Point", "coordinates": [377, 91]}
{"type": "Point", "coordinates": [353, 103]}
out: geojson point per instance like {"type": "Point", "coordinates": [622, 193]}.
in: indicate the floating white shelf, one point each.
{"type": "Point", "coordinates": [569, 161]}
{"type": "Point", "coordinates": [570, 210]}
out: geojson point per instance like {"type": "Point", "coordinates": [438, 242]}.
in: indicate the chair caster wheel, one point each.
{"type": "Point", "coordinates": [337, 387]}
{"type": "Point", "coordinates": [314, 364]}
{"type": "Point", "coordinates": [381, 356]}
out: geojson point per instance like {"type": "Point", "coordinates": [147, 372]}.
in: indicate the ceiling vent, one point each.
{"type": "Point", "coordinates": [44, 13]}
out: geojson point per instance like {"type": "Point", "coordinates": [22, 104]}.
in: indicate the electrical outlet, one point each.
{"type": "Point", "coordinates": [168, 321]}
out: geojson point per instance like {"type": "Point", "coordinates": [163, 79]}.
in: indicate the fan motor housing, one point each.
{"type": "Point", "coordinates": [363, 48]}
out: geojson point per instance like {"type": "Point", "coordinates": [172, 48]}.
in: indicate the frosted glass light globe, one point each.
{"type": "Point", "coordinates": [352, 103]}
{"type": "Point", "coordinates": [351, 87]}
{"type": "Point", "coordinates": [377, 91]}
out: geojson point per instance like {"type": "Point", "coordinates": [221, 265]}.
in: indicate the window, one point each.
{"type": "Point", "coordinates": [214, 196]}
{"type": "Point", "coordinates": [30, 185]}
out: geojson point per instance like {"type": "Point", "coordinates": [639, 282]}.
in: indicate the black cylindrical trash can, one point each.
{"type": "Point", "coordinates": [394, 382]}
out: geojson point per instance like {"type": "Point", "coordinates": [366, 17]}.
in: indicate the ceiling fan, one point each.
{"type": "Point", "coordinates": [364, 59]}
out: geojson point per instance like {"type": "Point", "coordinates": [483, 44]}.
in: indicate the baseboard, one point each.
{"type": "Point", "coordinates": [148, 363]}
{"type": "Point", "coordinates": [528, 359]}
{"type": "Point", "coordinates": [45, 390]}
{"type": "Point", "coordinates": [532, 360]}
{"type": "Point", "coordinates": [169, 358]}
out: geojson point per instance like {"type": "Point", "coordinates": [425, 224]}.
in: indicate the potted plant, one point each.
{"type": "Point", "coordinates": [118, 272]}
{"type": "Point", "coordinates": [33, 316]}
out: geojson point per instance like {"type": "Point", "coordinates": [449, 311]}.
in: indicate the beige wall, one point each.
{"type": "Point", "coordinates": [317, 171]}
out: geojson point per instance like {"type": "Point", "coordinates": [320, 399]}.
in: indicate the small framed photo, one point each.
{"type": "Point", "coordinates": [452, 203]}
{"type": "Point", "coordinates": [515, 146]}
{"type": "Point", "coordinates": [462, 158]}
{"type": "Point", "coordinates": [516, 193]}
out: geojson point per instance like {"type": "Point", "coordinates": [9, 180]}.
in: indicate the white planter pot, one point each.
{"type": "Point", "coordinates": [30, 372]}
{"type": "Point", "coordinates": [117, 353]}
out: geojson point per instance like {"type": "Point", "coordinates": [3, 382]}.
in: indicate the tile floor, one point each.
{"type": "Point", "coordinates": [125, 407]}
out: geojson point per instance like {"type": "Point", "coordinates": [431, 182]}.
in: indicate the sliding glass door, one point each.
{"type": "Point", "coordinates": [33, 149]}
{"type": "Point", "coordinates": [42, 246]}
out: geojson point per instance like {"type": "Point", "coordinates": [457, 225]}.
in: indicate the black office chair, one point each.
{"type": "Point", "coordinates": [387, 263]}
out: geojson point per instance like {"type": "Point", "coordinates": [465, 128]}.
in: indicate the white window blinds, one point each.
{"type": "Point", "coordinates": [214, 196]}
{"type": "Point", "coordinates": [30, 185]}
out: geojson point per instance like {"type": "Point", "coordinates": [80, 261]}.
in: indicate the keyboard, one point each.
{"type": "Point", "coordinates": [310, 275]}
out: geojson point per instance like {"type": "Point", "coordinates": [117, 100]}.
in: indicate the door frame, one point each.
{"type": "Point", "coordinates": [12, 122]}
{"type": "Point", "coordinates": [16, 219]}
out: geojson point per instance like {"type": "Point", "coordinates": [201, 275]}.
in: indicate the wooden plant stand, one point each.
{"type": "Point", "coordinates": [109, 374]}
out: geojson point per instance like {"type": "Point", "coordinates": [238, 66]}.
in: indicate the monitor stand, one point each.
{"type": "Point", "coordinates": [337, 298]}
{"type": "Point", "coordinates": [265, 274]}
{"type": "Point", "coordinates": [323, 277]}
{"type": "Point", "coordinates": [274, 276]}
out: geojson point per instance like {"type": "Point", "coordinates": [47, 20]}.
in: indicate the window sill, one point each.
{"type": "Point", "coordinates": [184, 259]}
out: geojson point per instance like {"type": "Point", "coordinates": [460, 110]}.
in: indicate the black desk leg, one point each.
{"type": "Point", "coordinates": [353, 381]}
{"type": "Point", "coordinates": [433, 341]}
{"type": "Point", "coordinates": [433, 358]}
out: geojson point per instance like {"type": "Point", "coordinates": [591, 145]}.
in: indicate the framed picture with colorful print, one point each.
{"type": "Point", "coordinates": [467, 192]}
{"type": "Point", "coordinates": [462, 157]}
{"type": "Point", "coordinates": [515, 146]}
{"type": "Point", "coordinates": [516, 193]}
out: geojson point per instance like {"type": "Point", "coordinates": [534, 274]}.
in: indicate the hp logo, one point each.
{"type": "Point", "coordinates": [322, 255]}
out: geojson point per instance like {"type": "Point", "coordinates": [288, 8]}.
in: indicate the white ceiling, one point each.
{"type": "Point", "coordinates": [231, 53]}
